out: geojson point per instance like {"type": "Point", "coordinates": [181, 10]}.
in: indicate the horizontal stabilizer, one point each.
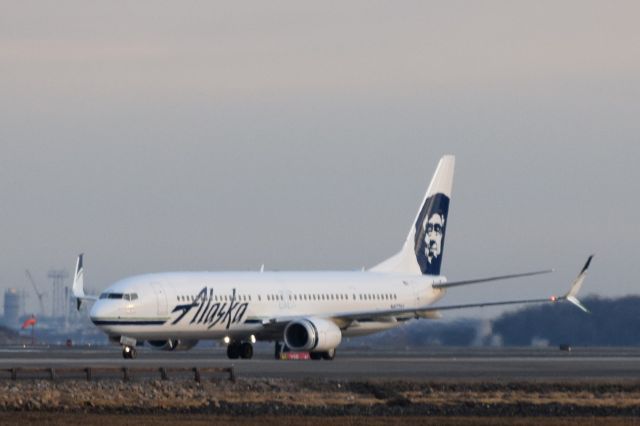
{"type": "Point", "coordinates": [484, 280]}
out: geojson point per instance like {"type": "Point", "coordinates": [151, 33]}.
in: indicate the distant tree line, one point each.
{"type": "Point", "coordinates": [423, 333]}
{"type": "Point", "coordinates": [612, 322]}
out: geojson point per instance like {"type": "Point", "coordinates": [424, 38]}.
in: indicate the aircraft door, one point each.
{"type": "Point", "coordinates": [161, 298]}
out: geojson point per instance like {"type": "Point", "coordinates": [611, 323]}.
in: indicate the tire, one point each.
{"type": "Point", "coordinates": [133, 354]}
{"type": "Point", "coordinates": [315, 355]}
{"type": "Point", "coordinates": [246, 350]}
{"type": "Point", "coordinates": [126, 352]}
{"type": "Point", "coordinates": [329, 355]}
{"type": "Point", "coordinates": [278, 350]}
{"type": "Point", "coordinates": [233, 351]}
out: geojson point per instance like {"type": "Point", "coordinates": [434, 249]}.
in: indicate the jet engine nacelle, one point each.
{"type": "Point", "coordinates": [173, 345]}
{"type": "Point", "coordinates": [312, 334]}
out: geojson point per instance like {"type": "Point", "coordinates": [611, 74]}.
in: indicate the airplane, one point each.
{"type": "Point", "coordinates": [299, 311]}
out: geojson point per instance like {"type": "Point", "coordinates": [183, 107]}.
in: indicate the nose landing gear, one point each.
{"type": "Point", "coordinates": [128, 347]}
{"type": "Point", "coordinates": [129, 352]}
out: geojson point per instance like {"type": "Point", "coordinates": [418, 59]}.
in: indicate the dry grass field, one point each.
{"type": "Point", "coordinates": [280, 401]}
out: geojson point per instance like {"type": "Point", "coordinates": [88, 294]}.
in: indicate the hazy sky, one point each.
{"type": "Point", "coordinates": [211, 136]}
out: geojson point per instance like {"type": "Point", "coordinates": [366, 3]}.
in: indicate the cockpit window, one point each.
{"type": "Point", "coordinates": [127, 296]}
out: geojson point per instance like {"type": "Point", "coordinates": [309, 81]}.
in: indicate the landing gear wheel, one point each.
{"type": "Point", "coordinates": [233, 351]}
{"type": "Point", "coordinates": [329, 355]}
{"type": "Point", "coordinates": [129, 352]}
{"type": "Point", "coordinates": [278, 351]}
{"type": "Point", "coordinates": [315, 355]}
{"type": "Point", "coordinates": [246, 350]}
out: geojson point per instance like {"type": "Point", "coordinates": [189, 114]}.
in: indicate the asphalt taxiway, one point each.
{"type": "Point", "coordinates": [483, 364]}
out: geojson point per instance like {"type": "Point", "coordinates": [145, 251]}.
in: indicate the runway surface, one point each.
{"type": "Point", "coordinates": [485, 364]}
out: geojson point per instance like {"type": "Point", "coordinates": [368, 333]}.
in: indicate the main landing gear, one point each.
{"type": "Point", "coordinates": [242, 350]}
{"type": "Point", "coordinates": [328, 355]}
{"type": "Point", "coordinates": [129, 352]}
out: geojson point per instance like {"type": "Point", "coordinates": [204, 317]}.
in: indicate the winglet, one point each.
{"type": "Point", "coordinates": [577, 284]}
{"type": "Point", "coordinates": [577, 303]}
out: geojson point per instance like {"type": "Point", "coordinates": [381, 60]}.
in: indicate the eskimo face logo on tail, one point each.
{"type": "Point", "coordinates": [430, 232]}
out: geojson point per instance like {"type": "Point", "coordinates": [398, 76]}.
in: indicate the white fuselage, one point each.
{"type": "Point", "coordinates": [214, 305]}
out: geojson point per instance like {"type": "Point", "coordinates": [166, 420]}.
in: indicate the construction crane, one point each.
{"type": "Point", "coordinates": [35, 288]}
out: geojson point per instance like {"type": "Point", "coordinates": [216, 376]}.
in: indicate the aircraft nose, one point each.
{"type": "Point", "coordinates": [99, 312]}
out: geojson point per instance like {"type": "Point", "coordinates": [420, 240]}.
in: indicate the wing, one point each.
{"type": "Point", "coordinates": [275, 326]}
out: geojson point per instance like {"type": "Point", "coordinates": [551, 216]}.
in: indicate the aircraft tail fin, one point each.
{"type": "Point", "coordinates": [424, 246]}
{"type": "Point", "coordinates": [78, 283]}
